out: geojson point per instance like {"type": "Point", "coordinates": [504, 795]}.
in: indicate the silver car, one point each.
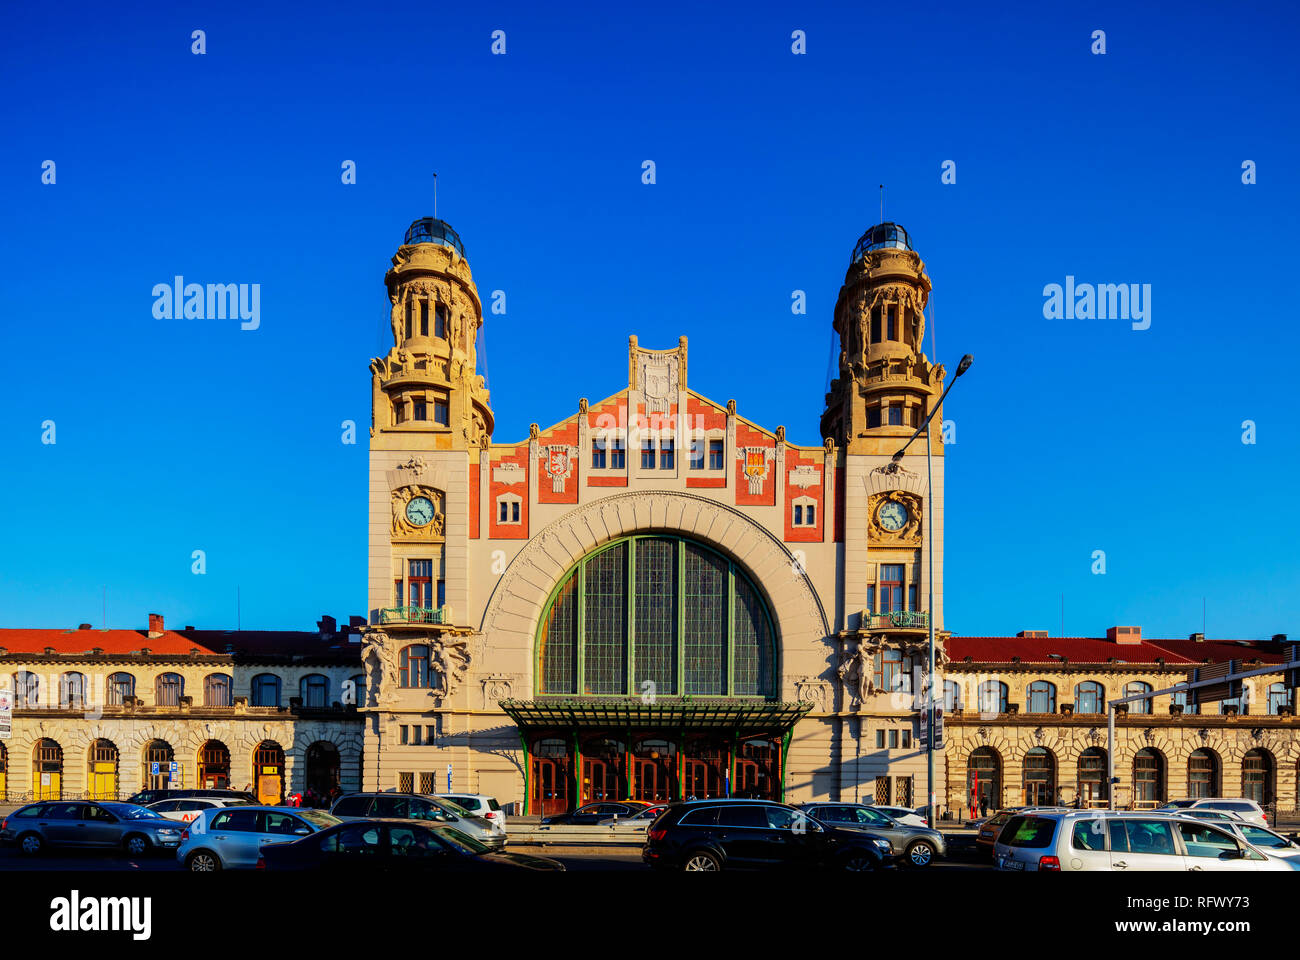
{"type": "Point", "coordinates": [231, 838]}
{"type": "Point", "coordinates": [913, 845]}
{"type": "Point", "coordinates": [1103, 840]}
{"type": "Point", "coordinates": [415, 806]}
{"type": "Point", "coordinates": [1262, 838]}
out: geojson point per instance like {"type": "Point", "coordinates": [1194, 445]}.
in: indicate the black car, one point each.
{"type": "Point", "coordinates": [708, 835]}
{"type": "Point", "coordinates": [395, 846]}
{"type": "Point", "coordinates": [592, 813]}
{"type": "Point", "coordinates": [146, 797]}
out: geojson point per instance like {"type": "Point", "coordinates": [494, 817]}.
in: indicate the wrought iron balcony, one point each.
{"type": "Point", "coordinates": [410, 615]}
{"type": "Point", "coordinates": [898, 619]}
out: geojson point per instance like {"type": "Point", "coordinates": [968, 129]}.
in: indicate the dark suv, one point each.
{"type": "Point", "coordinates": [708, 835]}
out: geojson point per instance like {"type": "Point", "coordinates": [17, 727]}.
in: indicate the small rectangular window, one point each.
{"type": "Point", "coordinates": [618, 455]}
{"type": "Point", "coordinates": [420, 412]}
{"type": "Point", "coordinates": [397, 592]}
{"type": "Point", "coordinates": [514, 511]}
{"type": "Point", "coordinates": [406, 783]}
{"type": "Point", "coordinates": [417, 735]}
{"type": "Point", "coordinates": [647, 454]}
{"type": "Point", "coordinates": [907, 739]}
{"type": "Point", "coordinates": [401, 734]}
{"type": "Point", "coordinates": [697, 454]}
{"type": "Point", "coordinates": [875, 325]}
{"type": "Point", "coordinates": [715, 454]}
{"type": "Point", "coordinates": [873, 416]}
{"type": "Point", "coordinates": [598, 455]}
{"type": "Point", "coordinates": [442, 594]}
{"type": "Point", "coordinates": [505, 514]}
{"type": "Point", "coordinates": [892, 333]}
{"type": "Point", "coordinates": [810, 515]}
{"type": "Point", "coordinates": [895, 416]}
{"type": "Point", "coordinates": [430, 736]}
{"type": "Point", "coordinates": [871, 598]}
{"type": "Point", "coordinates": [424, 318]}
{"type": "Point", "coordinates": [441, 412]}
{"type": "Point", "coordinates": [911, 596]}
{"type": "Point", "coordinates": [666, 454]}
{"type": "Point", "coordinates": [798, 515]}
{"type": "Point", "coordinates": [410, 313]}
{"type": "Point", "coordinates": [893, 739]}
{"type": "Point", "coordinates": [880, 739]}
{"type": "Point", "coordinates": [440, 321]}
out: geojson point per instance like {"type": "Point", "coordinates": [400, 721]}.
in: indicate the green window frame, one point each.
{"type": "Point", "coordinates": [657, 609]}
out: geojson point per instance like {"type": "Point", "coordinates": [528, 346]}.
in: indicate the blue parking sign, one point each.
{"type": "Point", "coordinates": [153, 769]}
{"type": "Point", "coordinates": [175, 767]}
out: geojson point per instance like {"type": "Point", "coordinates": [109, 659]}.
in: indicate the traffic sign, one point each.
{"type": "Point", "coordinates": [153, 768]}
{"type": "Point", "coordinates": [938, 727]}
{"type": "Point", "coordinates": [6, 714]}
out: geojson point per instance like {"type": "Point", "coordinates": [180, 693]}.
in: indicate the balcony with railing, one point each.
{"type": "Point", "coordinates": [399, 615]}
{"type": "Point", "coordinates": [897, 620]}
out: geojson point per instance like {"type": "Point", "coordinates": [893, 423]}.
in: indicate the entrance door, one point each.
{"type": "Point", "coordinates": [550, 786]}
{"type": "Point", "coordinates": [599, 780]}
{"type": "Point", "coordinates": [268, 768]}
{"type": "Point", "coordinates": [1036, 794]}
{"type": "Point", "coordinates": [650, 781]}
{"type": "Point", "coordinates": [702, 780]}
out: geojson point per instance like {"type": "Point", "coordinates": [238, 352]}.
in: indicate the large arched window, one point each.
{"type": "Point", "coordinates": [315, 690]}
{"type": "Point", "coordinates": [1133, 689]}
{"type": "Point", "coordinates": [217, 688]}
{"type": "Point", "coordinates": [1148, 778]}
{"type": "Point", "coordinates": [1093, 788]}
{"type": "Point", "coordinates": [1257, 776]}
{"type": "Point", "coordinates": [265, 690]}
{"type": "Point", "coordinates": [27, 690]}
{"type": "Point", "coordinates": [1202, 774]}
{"type": "Point", "coordinates": [168, 689]}
{"type": "Point", "coordinates": [1040, 776]}
{"type": "Point", "coordinates": [72, 690]}
{"type": "Point", "coordinates": [1042, 697]}
{"type": "Point", "coordinates": [1090, 697]}
{"type": "Point", "coordinates": [119, 687]}
{"type": "Point", "coordinates": [661, 611]}
{"type": "Point", "coordinates": [951, 696]}
{"type": "Point", "coordinates": [993, 697]}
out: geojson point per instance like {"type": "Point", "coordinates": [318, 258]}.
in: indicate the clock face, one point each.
{"type": "Point", "coordinates": [893, 516]}
{"type": "Point", "coordinates": [419, 511]}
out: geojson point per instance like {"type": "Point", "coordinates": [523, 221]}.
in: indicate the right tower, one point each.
{"type": "Point", "coordinates": [884, 389]}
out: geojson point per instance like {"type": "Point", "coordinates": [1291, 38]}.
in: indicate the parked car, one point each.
{"type": "Point", "coordinates": [1104, 840]}
{"type": "Point", "coordinates": [1262, 838]}
{"type": "Point", "coordinates": [146, 797]}
{"type": "Point", "coordinates": [229, 838]}
{"type": "Point", "coordinates": [479, 804]}
{"type": "Point", "coordinates": [1246, 809]}
{"type": "Point", "coordinates": [638, 821]}
{"type": "Point", "coordinates": [987, 834]}
{"type": "Point", "coordinates": [1203, 814]}
{"type": "Point", "coordinates": [396, 846]}
{"type": "Point", "coordinates": [917, 846]}
{"type": "Point", "coordinates": [87, 823]}
{"type": "Point", "coordinates": [711, 835]}
{"type": "Point", "coordinates": [414, 806]}
{"type": "Point", "coordinates": [904, 815]}
{"type": "Point", "coordinates": [187, 809]}
{"type": "Point", "coordinates": [592, 813]}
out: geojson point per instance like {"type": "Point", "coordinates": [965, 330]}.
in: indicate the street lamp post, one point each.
{"type": "Point", "coordinates": [962, 367]}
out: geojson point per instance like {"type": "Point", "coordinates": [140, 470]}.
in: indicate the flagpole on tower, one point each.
{"type": "Point", "coordinates": [882, 203]}
{"type": "Point", "coordinates": [435, 196]}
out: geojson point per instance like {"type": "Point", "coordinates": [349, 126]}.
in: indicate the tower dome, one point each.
{"type": "Point", "coordinates": [433, 230]}
{"type": "Point", "coordinates": [887, 235]}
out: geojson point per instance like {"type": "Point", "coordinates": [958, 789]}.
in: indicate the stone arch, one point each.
{"type": "Point", "coordinates": [517, 602]}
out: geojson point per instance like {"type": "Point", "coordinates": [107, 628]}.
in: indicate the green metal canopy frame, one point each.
{"type": "Point", "coordinates": [676, 713]}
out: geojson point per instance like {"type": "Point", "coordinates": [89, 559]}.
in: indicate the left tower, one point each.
{"type": "Point", "coordinates": [430, 418]}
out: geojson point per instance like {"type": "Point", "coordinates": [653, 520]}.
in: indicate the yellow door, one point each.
{"type": "Point", "coordinates": [104, 782]}
{"type": "Point", "coordinates": [268, 789]}
{"type": "Point", "coordinates": [45, 786]}
{"type": "Point", "coordinates": [4, 787]}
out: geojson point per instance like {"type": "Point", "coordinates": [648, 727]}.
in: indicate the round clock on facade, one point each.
{"type": "Point", "coordinates": [419, 511]}
{"type": "Point", "coordinates": [893, 516]}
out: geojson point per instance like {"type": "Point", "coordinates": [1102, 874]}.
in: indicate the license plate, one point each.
{"type": "Point", "coordinates": [1010, 864]}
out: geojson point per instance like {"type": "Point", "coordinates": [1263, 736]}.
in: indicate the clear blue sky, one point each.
{"type": "Point", "coordinates": [1073, 435]}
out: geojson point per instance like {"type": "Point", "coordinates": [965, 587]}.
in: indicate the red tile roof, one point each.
{"type": "Point", "coordinates": [1101, 650]}
{"type": "Point", "coordinates": [112, 642]}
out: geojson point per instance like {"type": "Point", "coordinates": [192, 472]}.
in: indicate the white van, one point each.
{"type": "Point", "coordinates": [1125, 842]}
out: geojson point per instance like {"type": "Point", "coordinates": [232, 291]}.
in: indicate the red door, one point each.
{"type": "Point", "coordinates": [650, 781]}
{"type": "Point", "coordinates": [599, 780]}
{"type": "Point", "coordinates": [550, 787]}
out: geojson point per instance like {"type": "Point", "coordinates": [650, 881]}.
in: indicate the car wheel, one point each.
{"type": "Point", "coordinates": [860, 862]}
{"type": "Point", "coordinates": [920, 854]}
{"type": "Point", "coordinates": [137, 844]}
{"type": "Point", "coordinates": [702, 862]}
{"type": "Point", "coordinates": [31, 844]}
{"type": "Point", "coordinates": [203, 861]}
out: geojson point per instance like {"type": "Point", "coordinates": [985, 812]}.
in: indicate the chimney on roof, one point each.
{"type": "Point", "coordinates": [155, 626]}
{"type": "Point", "coordinates": [83, 626]}
{"type": "Point", "coordinates": [1035, 634]}
{"type": "Point", "coordinates": [189, 627]}
{"type": "Point", "coordinates": [1124, 634]}
{"type": "Point", "coordinates": [1197, 638]}
{"type": "Point", "coordinates": [1279, 638]}
{"type": "Point", "coordinates": [327, 625]}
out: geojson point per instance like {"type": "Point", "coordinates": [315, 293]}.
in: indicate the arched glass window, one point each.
{"type": "Point", "coordinates": [415, 670]}
{"type": "Point", "coordinates": [27, 690]}
{"type": "Point", "coordinates": [1040, 776]}
{"type": "Point", "coordinates": [656, 610]}
{"type": "Point", "coordinates": [315, 690]}
{"type": "Point", "coordinates": [1278, 697]}
{"type": "Point", "coordinates": [1042, 697]}
{"type": "Point", "coordinates": [358, 688]}
{"type": "Point", "coordinates": [217, 689]}
{"type": "Point", "coordinates": [1092, 776]}
{"type": "Point", "coordinates": [1202, 775]}
{"type": "Point", "coordinates": [120, 686]}
{"type": "Point", "coordinates": [168, 689]}
{"type": "Point", "coordinates": [993, 697]}
{"type": "Point", "coordinates": [1148, 778]}
{"type": "Point", "coordinates": [1257, 777]}
{"type": "Point", "coordinates": [265, 690]}
{"type": "Point", "coordinates": [1090, 697]}
{"type": "Point", "coordinates": [984, 780]}
{"type": "Point", "coordinates": [72, 690]}
{"type": "Point", "coordinates": [1134, 688]}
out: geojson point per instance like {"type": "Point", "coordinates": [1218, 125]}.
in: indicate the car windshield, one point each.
{"type": "Point", "coordinates": [446, 806]}
{"type": "Point", "coordinates": [1028, 832]}
{"type": "Point", "coordinates": [1177, 804]}
{"type": "Point", "coordinates": [1265, 838]}
{"type": "Point", "coordinates": [130, 811]}
{"type": "Point", "coordinates": [319, 818]}
{"type": "Point", "coordinates": [458, 841]}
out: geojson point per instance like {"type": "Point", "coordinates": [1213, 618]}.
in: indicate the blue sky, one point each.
{"type": "Point", "coordinates": [1072, 435]}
